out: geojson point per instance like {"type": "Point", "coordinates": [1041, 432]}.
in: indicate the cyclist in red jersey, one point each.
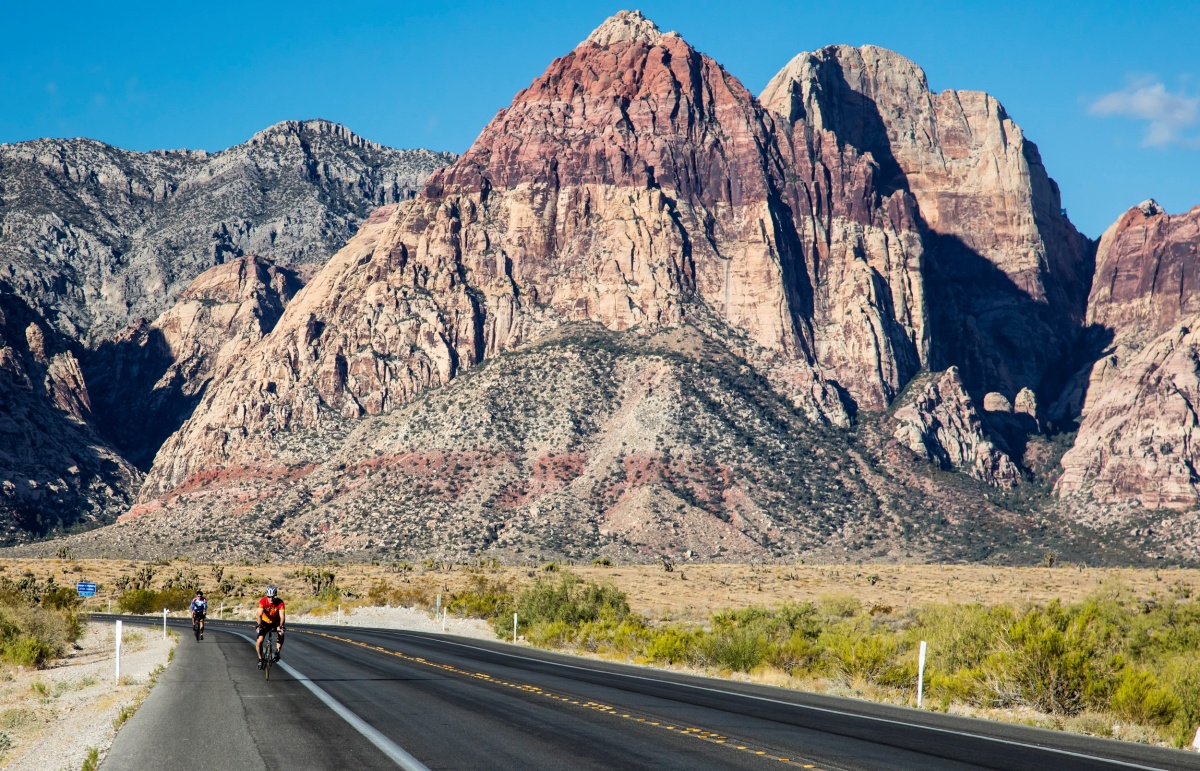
{"type": "Point", "coordinates": [271, 615]}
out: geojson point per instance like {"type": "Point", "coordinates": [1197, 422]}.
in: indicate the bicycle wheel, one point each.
{"type": "Point", "coordinates": [269, 653]}
{"type": "Point", "coordinates": [196, 629]}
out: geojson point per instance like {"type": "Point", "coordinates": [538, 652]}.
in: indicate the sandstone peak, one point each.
{"type": "Point", "coordinates": [1150, 208]}
{"type": "Point", "coordinates": [625, 27]}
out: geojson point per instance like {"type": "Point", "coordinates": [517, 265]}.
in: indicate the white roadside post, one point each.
{"type": "Point", "coordinates": [443, 621]}
{"type": "Point", "coordinates": [221, 612]}
{"type": "Point", "coordinates": [118, 637]}
{"type": "Point", "coordinates": [339, 615]}
{"type": "Point", "coordinates": [1196, 741]}
{"type": "Point", "coordinates": [921, 675]}
{"type": "Point", "coordinates": [164, 623]}
{"type": "Point", "coordinates": [437, 613]}
{"type": "Point", "coordinates": [514, 629]}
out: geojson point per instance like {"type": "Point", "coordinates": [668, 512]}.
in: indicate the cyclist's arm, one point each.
{"type": "Point", "coordinates": [282, 617]}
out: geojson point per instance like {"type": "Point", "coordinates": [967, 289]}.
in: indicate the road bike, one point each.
{"type": "Point", "coordinates": [270, 652]}
{"type": "Point", "coordinates": [196, 627]}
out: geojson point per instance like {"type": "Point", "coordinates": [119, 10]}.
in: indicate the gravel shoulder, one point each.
{"type": "Point", "coordinates": [51, 718]}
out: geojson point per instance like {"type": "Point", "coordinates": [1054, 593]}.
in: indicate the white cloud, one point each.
{"type": "Point", "coordinates": [1170, 115]}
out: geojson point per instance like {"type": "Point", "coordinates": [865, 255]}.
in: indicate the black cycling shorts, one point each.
{"type": "Point", "coordinates": [262, 628]}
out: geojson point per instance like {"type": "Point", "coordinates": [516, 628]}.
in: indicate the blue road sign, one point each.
{"type": "Point", "coordinates": [86, 589]}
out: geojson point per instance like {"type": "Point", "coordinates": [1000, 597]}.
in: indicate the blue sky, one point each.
{"type": "Point", "coordinates": [1109, 94]}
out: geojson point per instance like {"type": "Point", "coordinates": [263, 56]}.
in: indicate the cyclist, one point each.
{"type": "Point", "coordinates": [199, 611]}
{"type": "Point", "coordinates": [271, 615]}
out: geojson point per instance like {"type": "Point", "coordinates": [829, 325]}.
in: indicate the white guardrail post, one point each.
{"type": "Point", "coordinates": [118, 639]}
{"type": "Point", "coordinates": [921, 674]}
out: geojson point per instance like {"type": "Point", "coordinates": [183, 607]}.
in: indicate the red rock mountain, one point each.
{"type": "Point", "coordinates": [1005, 274]}
{"type": "Point", "coordinates": [649, 312]}
{"type": "Point", "coordinates": [636, 183]}
{"type": "Point", "coordinates": [1139, 437]}
{"type": "Point", "coordinates": [637, 186]}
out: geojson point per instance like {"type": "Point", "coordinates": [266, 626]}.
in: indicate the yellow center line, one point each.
{"type": "Point", "coordinates": [708, 736]}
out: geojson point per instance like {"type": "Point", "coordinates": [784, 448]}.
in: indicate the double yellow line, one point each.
{"type": "Point", "coordinates": [708, 736]}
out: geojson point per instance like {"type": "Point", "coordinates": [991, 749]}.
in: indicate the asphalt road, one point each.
{"type": "Point", "coordinates": [354, 698]}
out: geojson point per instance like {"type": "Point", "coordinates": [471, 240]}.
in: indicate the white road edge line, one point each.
{"type": "Point", "coordinates": [385, 745]}
{"type": "Point", "coordinates": [826, 710]}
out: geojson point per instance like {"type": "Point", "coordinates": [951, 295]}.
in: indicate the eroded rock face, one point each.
{"type": "Point", "coordinates": [1135, 437]}
{"type": "Point", "coordinates": [940, 423]}
{"type": "Point", "coordinates": [55, 469]}
{"type": "Point", "coordinates": [634, 184]}
{"type": "Point", "coordinates": [95, 237]}
{"type": "Point", "coordinates": [147, 380]}
{"type": "Point", "coordinates": [1140, 438]}
{"type": "Point", "coordinates": [1006, 273]}
{"type": "Point", "coordinates": [1147, 274]}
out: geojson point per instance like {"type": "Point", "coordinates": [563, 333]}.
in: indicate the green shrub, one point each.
{"type": "Point", "coordinates": [674, 646]}
{"type": "Point", "coordinates": [568, 599]}
{"type": "Point", "coordinates": [482, 599]}
{"type": "Point", "coordinates": [28, 651]}
{"type": "Point", "coordinates": [150, 601]}
{"type": "Point", "coordinates": [965, 685]}
{"type": "Point", "coordinates": [137, 601]}
{"type": "Point", "coordinates": [1060, 657]}
{"type": "Point", "coordinates": [551, 634]}
{"type": "Point", "coordinates": [736, 649]}
{"type": "Point", "coordinates": [32, 635]}
{"type": "Point", "coordinates": [1182, 673]}
{"type": "Point", "coordinates": [61, 598]}
{"type": "Point", "coordinates": [1138, 697]}
{"type": "Point", "coordinates": [796, 655]}
{"type": "Point", "coordinates": [857, 653]}
{"type": "Point", "coordinates": [960, 636]}
{"type": "Point", "coordinates": [176, 598]}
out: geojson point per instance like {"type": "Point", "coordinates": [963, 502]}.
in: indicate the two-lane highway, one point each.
{"type": "Point", "coordinates": [368, 698]}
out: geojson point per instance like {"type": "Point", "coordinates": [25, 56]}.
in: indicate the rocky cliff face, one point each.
{"type": "Point", "coordinates": [146, 381]}
{"type": "Point", "coordinates": [940, 423]}
{"type": "Point", "coordinates": [94, 237]}
{"type": "Point", "coordinates": [634, 184]}
{"type": "Point", "coordinates": [55, 470]}
{"type": "Point", "coordinates": [1139, 438]}
{"type": "Point", "coordinates": [1005, 274]}
{"type": "Point", "coordinates": [1137, 400]}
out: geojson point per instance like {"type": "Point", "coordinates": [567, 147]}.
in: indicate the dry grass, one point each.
{"type": "Point", "coordinates": [691, 591]}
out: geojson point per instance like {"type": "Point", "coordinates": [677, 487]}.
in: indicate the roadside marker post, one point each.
{"type": "Point", "coordinates": [118, 638]}
{"type": "Point", "coordinates": [443, 622]}
{"type": "Point", "coordinates": [921, 674]}
{"type": "Point", "coordinates": [514, 629]}
{"type": "Point", "coordinates": [438, 612]}
{"type": "Point", "coordinates": [164, 623]}
{"type": "Point", "coordinates": [339, 615]}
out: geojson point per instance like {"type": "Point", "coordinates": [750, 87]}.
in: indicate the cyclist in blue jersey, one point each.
{"type": "Point", "coordinates": [199, 611]}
